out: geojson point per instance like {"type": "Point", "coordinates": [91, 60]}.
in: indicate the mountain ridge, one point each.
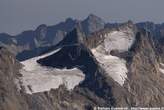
{"type": "Point", "coordinates": [118, 66]}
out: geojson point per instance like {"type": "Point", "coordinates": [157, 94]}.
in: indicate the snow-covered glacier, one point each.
{"type": "Point", "coordinates": [36, 78]}
{"type": "Point", "coordinates": [120, 40]}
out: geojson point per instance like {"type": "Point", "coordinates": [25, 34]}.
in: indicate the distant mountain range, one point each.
{"type": "Point", "coordinates": [45, 36]}
{"type": "Point", "coordinates": [49, 35]}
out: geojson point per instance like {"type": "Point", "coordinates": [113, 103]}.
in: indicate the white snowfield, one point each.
{"type": "Point", "coordinates": [119, 40]}
{"type": "Point", "coordinates": [114, 66]}
{"type": "Point", "coordinates": [161, 68]}
{"type": "Point", "coordinates": [36, 78]}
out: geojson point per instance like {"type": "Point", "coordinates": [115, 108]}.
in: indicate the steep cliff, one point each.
{"type": "Point", "coordinates": [10, 98]}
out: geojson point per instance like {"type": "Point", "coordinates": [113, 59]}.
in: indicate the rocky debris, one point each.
{"type": "Point", "coordinates": [10, 98]}
{"type": "Point", "coordinates": [144, 80]}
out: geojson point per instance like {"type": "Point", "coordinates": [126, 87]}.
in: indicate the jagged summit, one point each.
{"type": "Point", "coordinates": [75, 37]}
{"type": "Point", "coordinates": [92, 23]}
{"type": "Point", "coordinates": [40, 35]}
{"type": "Point", "coordinates": [41, 26]}
{"type": "Point", "coordinates": [117, 33]}
{"type": "Point", "coordinates": [93, 16]}
{"type": "Point", "coordinates": [70, 20]}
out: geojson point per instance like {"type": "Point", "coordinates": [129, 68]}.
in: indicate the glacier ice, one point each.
{"type": "Point", "coordinates": [114, 66]}
{"type": "Point", "coordinates": [36, 78]}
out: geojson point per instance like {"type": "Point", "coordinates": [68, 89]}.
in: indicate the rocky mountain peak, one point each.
{"type": "Point", "coordinates": [92, 23]}
{"type": "Point", "coordinates": [124, 33]}
{"type": "Point", "coordinates": [92, 16]}
{"type": "Point", "coordinates": [69, 20]}
{"type": "Point", "coordinates": [75, 37]}
{"type": "Point", "coordinates": [41, 26]}
{"type": "Point", "coordinates": [41, 31]}
{"type": "Point", "coordinates": [127, 25]}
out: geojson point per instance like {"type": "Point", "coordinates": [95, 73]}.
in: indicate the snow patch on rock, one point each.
{"type": "Point", "coordinates": [161, 68]}
{"type": "Point", "coordinates": [36, 78]}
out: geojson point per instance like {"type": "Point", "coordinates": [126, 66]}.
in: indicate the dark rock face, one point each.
{"type": "Point", "coordinates": [31, 53]}
{"type": "Point", "coordinates": [80, 57]}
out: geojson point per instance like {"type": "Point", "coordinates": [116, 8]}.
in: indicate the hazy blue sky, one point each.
{"type": "Point", "coordinates": [19, 15]}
